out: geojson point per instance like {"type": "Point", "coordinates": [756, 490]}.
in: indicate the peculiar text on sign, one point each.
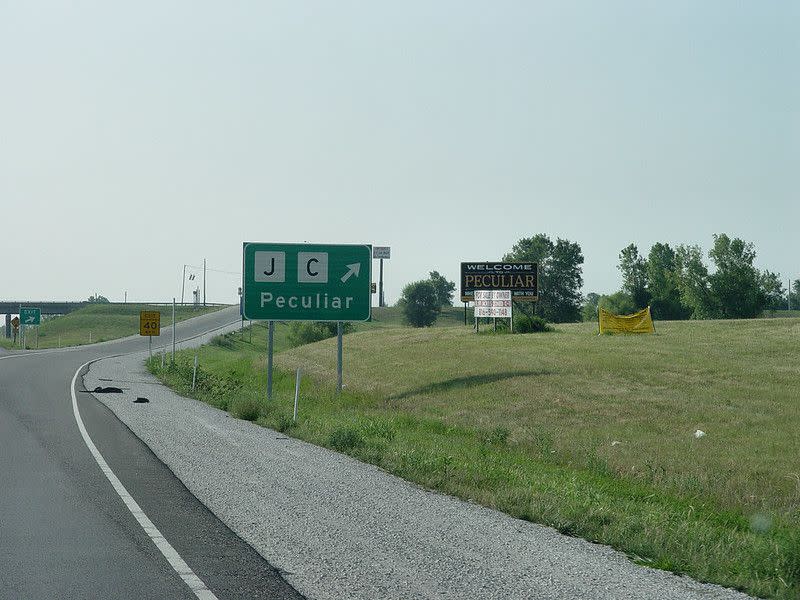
{"type": "Point", "coordinates": [306, 282]}
{"type": "Point", "coordinates": [520, 278]}
{"type": "Point", "coordinates": [149, 322]}
{"type": "Point", "coordinates": [381, 252]}
{"type": "Point", "coordinates": [493, 303]}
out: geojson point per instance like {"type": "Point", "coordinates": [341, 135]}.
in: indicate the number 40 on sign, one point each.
{"type": "Point", "coordinates": [150, 322]}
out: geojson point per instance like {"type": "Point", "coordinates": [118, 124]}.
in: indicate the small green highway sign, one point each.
{"type": "Point", "coordinates": [30, 316]}
{"type": "Point", "coordinates": [306, 282]}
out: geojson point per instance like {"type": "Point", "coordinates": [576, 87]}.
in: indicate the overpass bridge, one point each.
{"type": "Point", "coordinates": [11, 307]}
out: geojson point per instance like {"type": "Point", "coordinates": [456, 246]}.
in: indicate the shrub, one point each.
{"type": "Point", "coordinates": [345, 438]}
{"type": "Point", "coordinates": [223, 341]}
{"type": "Point", "coordinates": [301, 333]}
{"type": "Point", "coordinates": [420, 304]}
{"type": "Point", "coordinates": [245, 408]}
{"type": "Point", "coordinates": [534, 324]}
{"type": "Point", "coordinates": [284, 423]}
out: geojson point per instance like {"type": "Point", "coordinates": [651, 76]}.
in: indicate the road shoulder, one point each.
{"type": "Point", "coordinates": [336, 527]}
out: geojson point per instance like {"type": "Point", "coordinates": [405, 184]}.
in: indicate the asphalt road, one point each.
{"type": "Point", "coordinates": [64, 530]}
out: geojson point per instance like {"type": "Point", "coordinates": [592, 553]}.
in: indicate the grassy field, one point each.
{"type": "Point", "coordinates": [593, 435]}
{"type": "Point", "coordinates": [103, 321]}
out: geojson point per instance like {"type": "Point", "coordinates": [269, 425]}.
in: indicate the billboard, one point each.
{"type": "Point", "coordinates": [521, 278]}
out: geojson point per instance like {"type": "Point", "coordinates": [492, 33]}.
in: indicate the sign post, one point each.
{"type": "Point", "coordinates": [150, 325]}
{"type": "Point", "coordinates": [15, 324]}
{"type": "Point", "coordinates": [306, 282]}
{"type": "Point", "coordinates": [270, 340]}
{"type": "Point", "coordinates": [29, 316]}
{"type": "Point", "coordinates": [381, 252]}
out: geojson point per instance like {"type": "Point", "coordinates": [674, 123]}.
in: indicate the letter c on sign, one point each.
{"type": "Point", "coordinates": [308, 267]}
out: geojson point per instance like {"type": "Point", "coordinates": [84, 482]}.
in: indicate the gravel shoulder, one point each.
{"type": "Point", "coordinates": [338, 528]}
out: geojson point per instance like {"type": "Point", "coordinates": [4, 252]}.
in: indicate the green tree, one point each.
{"type": "Point", "coordinates": [560, 275]}
{"type": "Point", "coordinates": [772, 287]}
{"type": "Point", "coordinates": [736, 284]}
{"type": "Point", "coordinates": [634, 275]}
{"type": "Point", "coordinates": [589, 308]}
{"type": "Point", "coordinates": [692, 282]}
{"type": "Point", "coordinates": [795, 294]}
{"type": "Point", "coordinates": [444, 289]}
{"type": "Point", "coordinates": [619, 303]}
{"type": "Point", "coordinates": [662, 279]}
{"type": "Point", "coordinates": [420, 304]}
{"type": "Point", "coordinates": [98, 299]}
{"type": "Point", "coordinates": [562, 302]}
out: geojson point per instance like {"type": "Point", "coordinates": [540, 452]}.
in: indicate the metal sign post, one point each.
{"type": "Point", "coordinates": [270, 339]}
{"type": "Point", "coordinates": [381, 252]}
{"type": "Point", "coordinates": [306, 282]}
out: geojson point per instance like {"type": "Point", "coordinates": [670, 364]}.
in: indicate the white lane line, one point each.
{"type": "Point", "coordinates": [173, 558]}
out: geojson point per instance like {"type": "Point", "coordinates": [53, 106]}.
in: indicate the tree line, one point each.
{"type": "Point", "coordinates": [676, 283]}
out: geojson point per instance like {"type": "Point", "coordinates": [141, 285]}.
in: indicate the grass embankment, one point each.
{"type": "Point", "coordinates": [593, 435]}
{"type": "Point", "coordinates": [103, 321]}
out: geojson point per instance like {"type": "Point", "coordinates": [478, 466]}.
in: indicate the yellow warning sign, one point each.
{"type": "Point", "coordinates": [149, 322]}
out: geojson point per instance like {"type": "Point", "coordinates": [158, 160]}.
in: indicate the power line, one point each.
{"type": "Point", "coordinates": [238, 273]}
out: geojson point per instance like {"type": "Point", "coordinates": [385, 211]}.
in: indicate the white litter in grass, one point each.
{"type": "Point", "coordinates": [616, 443]}
{"type": "Point", "coordinates": [699, 433]}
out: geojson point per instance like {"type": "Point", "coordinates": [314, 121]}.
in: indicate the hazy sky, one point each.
{"type": "Point", "coordinates": [136, 137]}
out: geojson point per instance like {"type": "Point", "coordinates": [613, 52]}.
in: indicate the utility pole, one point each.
{"type": "Point", "coordinates": [183, 283]}
{"type": "Point", "coordinates": [380, 291]}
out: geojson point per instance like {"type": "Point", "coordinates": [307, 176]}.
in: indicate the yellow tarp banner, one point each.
{"type": "Point", "coordinates": [640, 322]}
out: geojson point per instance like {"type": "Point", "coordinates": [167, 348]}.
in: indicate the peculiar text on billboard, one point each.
{"type": "Point", "coordinates": [521, 278]}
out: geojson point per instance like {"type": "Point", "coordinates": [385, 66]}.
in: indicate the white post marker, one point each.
{"type": "Point", "coordinates": [194, 372]}
{"type": "Point", "coordinates": [296, 392]}
{"type": "Point", "coordinates": [173, 331]}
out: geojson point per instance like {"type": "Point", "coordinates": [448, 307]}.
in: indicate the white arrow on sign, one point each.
{"type": "Point", "coordinates": [351, 270]}
{"type": "Point", "coordinates": [30, 319]}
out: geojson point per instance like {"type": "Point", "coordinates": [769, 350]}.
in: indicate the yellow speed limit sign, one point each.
{"type": "Point", "coordinates": [149, 322]}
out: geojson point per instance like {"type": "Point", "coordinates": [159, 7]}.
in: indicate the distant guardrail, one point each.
{"type": "Point", "coordinates": [62, 308]}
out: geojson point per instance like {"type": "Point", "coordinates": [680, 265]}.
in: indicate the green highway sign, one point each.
{"type": "Point", "coordinates": [30, 316]}
{"type": "Point", "coordinates": [306, 282]}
